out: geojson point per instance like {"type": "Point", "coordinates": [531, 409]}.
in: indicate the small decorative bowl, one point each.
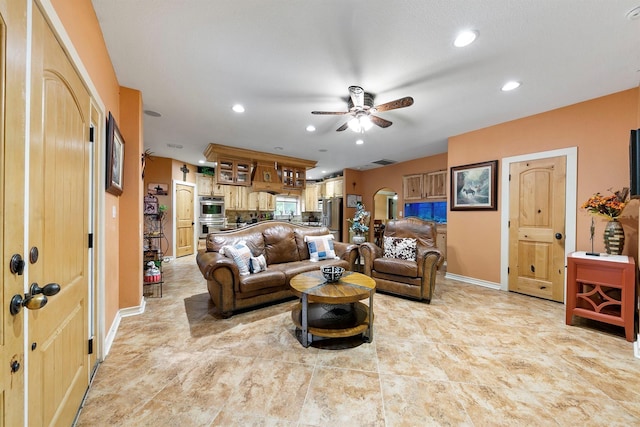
{"type": "Point", "coordinates": [332, 273]}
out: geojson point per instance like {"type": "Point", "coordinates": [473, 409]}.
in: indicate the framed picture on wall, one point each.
{"type": "Point", "coordinates": [158, 189]}
{"type": "Point", "coordinates": [474, 186]}
{"type": "Point", "coordinates": [115, 157]}
{"type": "Point", "coordinates": [352, 200]}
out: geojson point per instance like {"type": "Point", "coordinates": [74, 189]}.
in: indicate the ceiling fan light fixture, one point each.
{"type": "Point", "coordinates": [465, 38]}
{"type": "Point", "coordinates": [354, 125]}
{"type": "Point", "coordinates": [360, 123]}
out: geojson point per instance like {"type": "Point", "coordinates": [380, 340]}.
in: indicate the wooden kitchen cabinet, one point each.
{"type": "Point", "coordinates": [435, 185]}
{"type": "Point", "coordinates": [266, 202]}
{"type": "Point", "coordinates": [235, 172]}
{"type": "Point", "coordinates": [236, 198]}
{"type": "Point", "coordinates": [333, 188]}
{"type": "Point", "coordinates": [261, 201]}
{"type": "Point", "coordinates": [293, 178]}
{"type": "Point", "coordinates": [412, 187]}
{"type": "Point", "coordinates": [420, 186]}
{"type": "Point", "coordinates": [204, 184]}
{"type": "Point", "coordinates": [311, 197]}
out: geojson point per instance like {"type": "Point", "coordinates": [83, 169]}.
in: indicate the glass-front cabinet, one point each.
{"type": "Point", "coordinates": [236, 172]}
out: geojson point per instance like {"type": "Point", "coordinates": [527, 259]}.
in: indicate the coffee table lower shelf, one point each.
{"type": "Point", "coordinates": [334, 320]}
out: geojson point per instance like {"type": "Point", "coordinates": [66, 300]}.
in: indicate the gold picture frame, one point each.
{"type": "Point", "coordinates": [474, 187]}
{"type": "Point", "coordinates": [115, 158]}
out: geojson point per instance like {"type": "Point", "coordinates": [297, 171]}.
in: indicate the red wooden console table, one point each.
{"type": "Point", "coordinates": [602, 288]}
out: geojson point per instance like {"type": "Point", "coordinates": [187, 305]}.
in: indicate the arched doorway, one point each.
{"type": "Point", "coordinates": [385, 207]}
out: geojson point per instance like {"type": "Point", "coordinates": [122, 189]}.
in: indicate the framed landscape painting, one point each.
{"type": "Point", "coordinates": [474, 187]}
{"type": "Point", "coordinates": [115, 157]}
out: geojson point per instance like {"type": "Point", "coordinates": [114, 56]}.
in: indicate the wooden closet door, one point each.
{"type": "Point", "coordinates": [58, 229]}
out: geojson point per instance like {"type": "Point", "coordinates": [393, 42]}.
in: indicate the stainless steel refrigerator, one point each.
{"type": "Point", "coordinates": [332, 216]}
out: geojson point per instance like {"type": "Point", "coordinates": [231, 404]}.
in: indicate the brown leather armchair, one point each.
{"type": "Point", "coordinates": [410, 278]}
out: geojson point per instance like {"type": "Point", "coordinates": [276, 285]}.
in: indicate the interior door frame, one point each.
{"type": "Point", "coordinates": [196, 236]}
{"type": "Point", "coordinates": [571, 185]}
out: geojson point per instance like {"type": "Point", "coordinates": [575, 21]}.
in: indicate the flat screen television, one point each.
{"type": "Point", "coordinates": [634, 164]}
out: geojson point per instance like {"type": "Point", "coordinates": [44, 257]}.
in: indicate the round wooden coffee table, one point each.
{"type": "Point", "coordinates": [332, 310]}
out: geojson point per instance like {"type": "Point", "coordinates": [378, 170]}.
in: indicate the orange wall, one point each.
{"type": "Point", "coordinates": [161, 170]}
{"type": "Point", "coordinates": [599, 128]}
{"type": "Point", "coordinates": [130, 253]}
{"type": "Point", "coordinates": [80, 22]}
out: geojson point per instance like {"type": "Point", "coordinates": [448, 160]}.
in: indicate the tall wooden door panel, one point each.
{"type": "Point", "coordinates": [184, 220]}
{"type": "Point", "coordinates": [58, 229]}
{"type": "Point", "coordinates": [537, 228]}
{"type": "Point", "coordinates": [12, 179]}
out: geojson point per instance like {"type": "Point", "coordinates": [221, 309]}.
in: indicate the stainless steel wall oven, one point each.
{"type": "Point", "coordinates": [211, 217]}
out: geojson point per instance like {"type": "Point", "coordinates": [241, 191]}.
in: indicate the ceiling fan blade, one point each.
{"type": "Point", "coordinates": [343, 127]}
{"type": "Point", "coordinates": [357, 96]}
{"type": "Point", "coordinates": [380, 121]}
{"type": "Point", "coordinates": [330, 112]}
{"type": "Point", "coordinates": [407, 101]}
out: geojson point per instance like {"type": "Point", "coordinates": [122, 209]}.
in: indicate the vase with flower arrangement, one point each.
{"type": "Point", "coordinates": [359, 224]}
{"type": "Point", "coordinates": [609, 207]}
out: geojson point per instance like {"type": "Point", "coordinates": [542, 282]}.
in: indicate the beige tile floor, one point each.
{"type": "Point", "coordinates": [473, 357]}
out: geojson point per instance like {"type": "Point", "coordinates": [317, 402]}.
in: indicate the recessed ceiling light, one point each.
{"type": "Point", "coordinates": [202, 162]}
{"type": "Point", "coordinates": [323, 150]}
{"type": "Point", "coordinates": [324, 171]}
{"type": "Point", "coordinates": [311, 128]}
{"type": "Point", "coordinates": [510, 86]}
{"type": "Point", "coordinates": [238, 108]}
{"type": "Point", "coordinates": [360, 142]}
{"type": "Point", "coordinates": [278, 148]}
{"type": "Point", "coordinates": [178, 146]}
{"type": "Point", "coordinates": [152, 113]}
{"type": "Point", "coordinates": [465, 38]}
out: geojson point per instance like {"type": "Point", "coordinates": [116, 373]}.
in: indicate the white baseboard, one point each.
{"type": "Point", "coordinates": [636, 347]}
{"type": "Point", "coordinates": [125, 312]}
{"type": "Point", "coordinates": [473, 281]}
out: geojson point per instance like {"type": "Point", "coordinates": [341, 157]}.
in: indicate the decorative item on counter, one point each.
{"type": "Point", "coordinates": [359, 223]}
{"type": "Point", "coordinates": [332, 273]}
{"type": "Point", "coordinates": [609, 207]}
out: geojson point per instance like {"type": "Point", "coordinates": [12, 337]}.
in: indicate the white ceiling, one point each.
{"type": "Point", "coordinates": [192, 60]}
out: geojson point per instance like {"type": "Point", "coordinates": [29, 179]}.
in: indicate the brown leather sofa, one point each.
{"type": "Point", "coordinates": [286, 254]}
{"type": "Point", "coordinates": [413, 279]}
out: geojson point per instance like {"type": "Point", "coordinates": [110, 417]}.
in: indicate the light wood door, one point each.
{"type": "Point", "coordinates": [59, 365]}
{"type": "Point", "coordinates": [184, 220]}
{"type": "Point", "coordinates": [537, 228]}
{"type": "Point", "coordinates": [12, 179]}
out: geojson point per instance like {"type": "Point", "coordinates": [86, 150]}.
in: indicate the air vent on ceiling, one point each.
{"type": "Point", "coordinates": [384, 162]}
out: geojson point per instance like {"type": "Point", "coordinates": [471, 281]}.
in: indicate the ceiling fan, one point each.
{"type": "Point", "coordinates": [361, 109]}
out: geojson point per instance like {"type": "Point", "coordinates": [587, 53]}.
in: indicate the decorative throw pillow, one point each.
{"type": "Point", "coordinates": [241, 255]}
{"type": "Point", "coordinates": [400, 248]}
{"type": "Point", "coordinates": [320, 247]}
{"type": "Point", "coordinates": [257, 264]}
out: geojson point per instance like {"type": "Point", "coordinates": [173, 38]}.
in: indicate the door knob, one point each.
{"type": "Point", "coordinates": [30, 301]}
{"type": "Point", "coordinates": [558, 236]}
{"type": "Point", "coordinates": [48, 290]}
{"type": "Point", "coordinates": [35, 300]}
